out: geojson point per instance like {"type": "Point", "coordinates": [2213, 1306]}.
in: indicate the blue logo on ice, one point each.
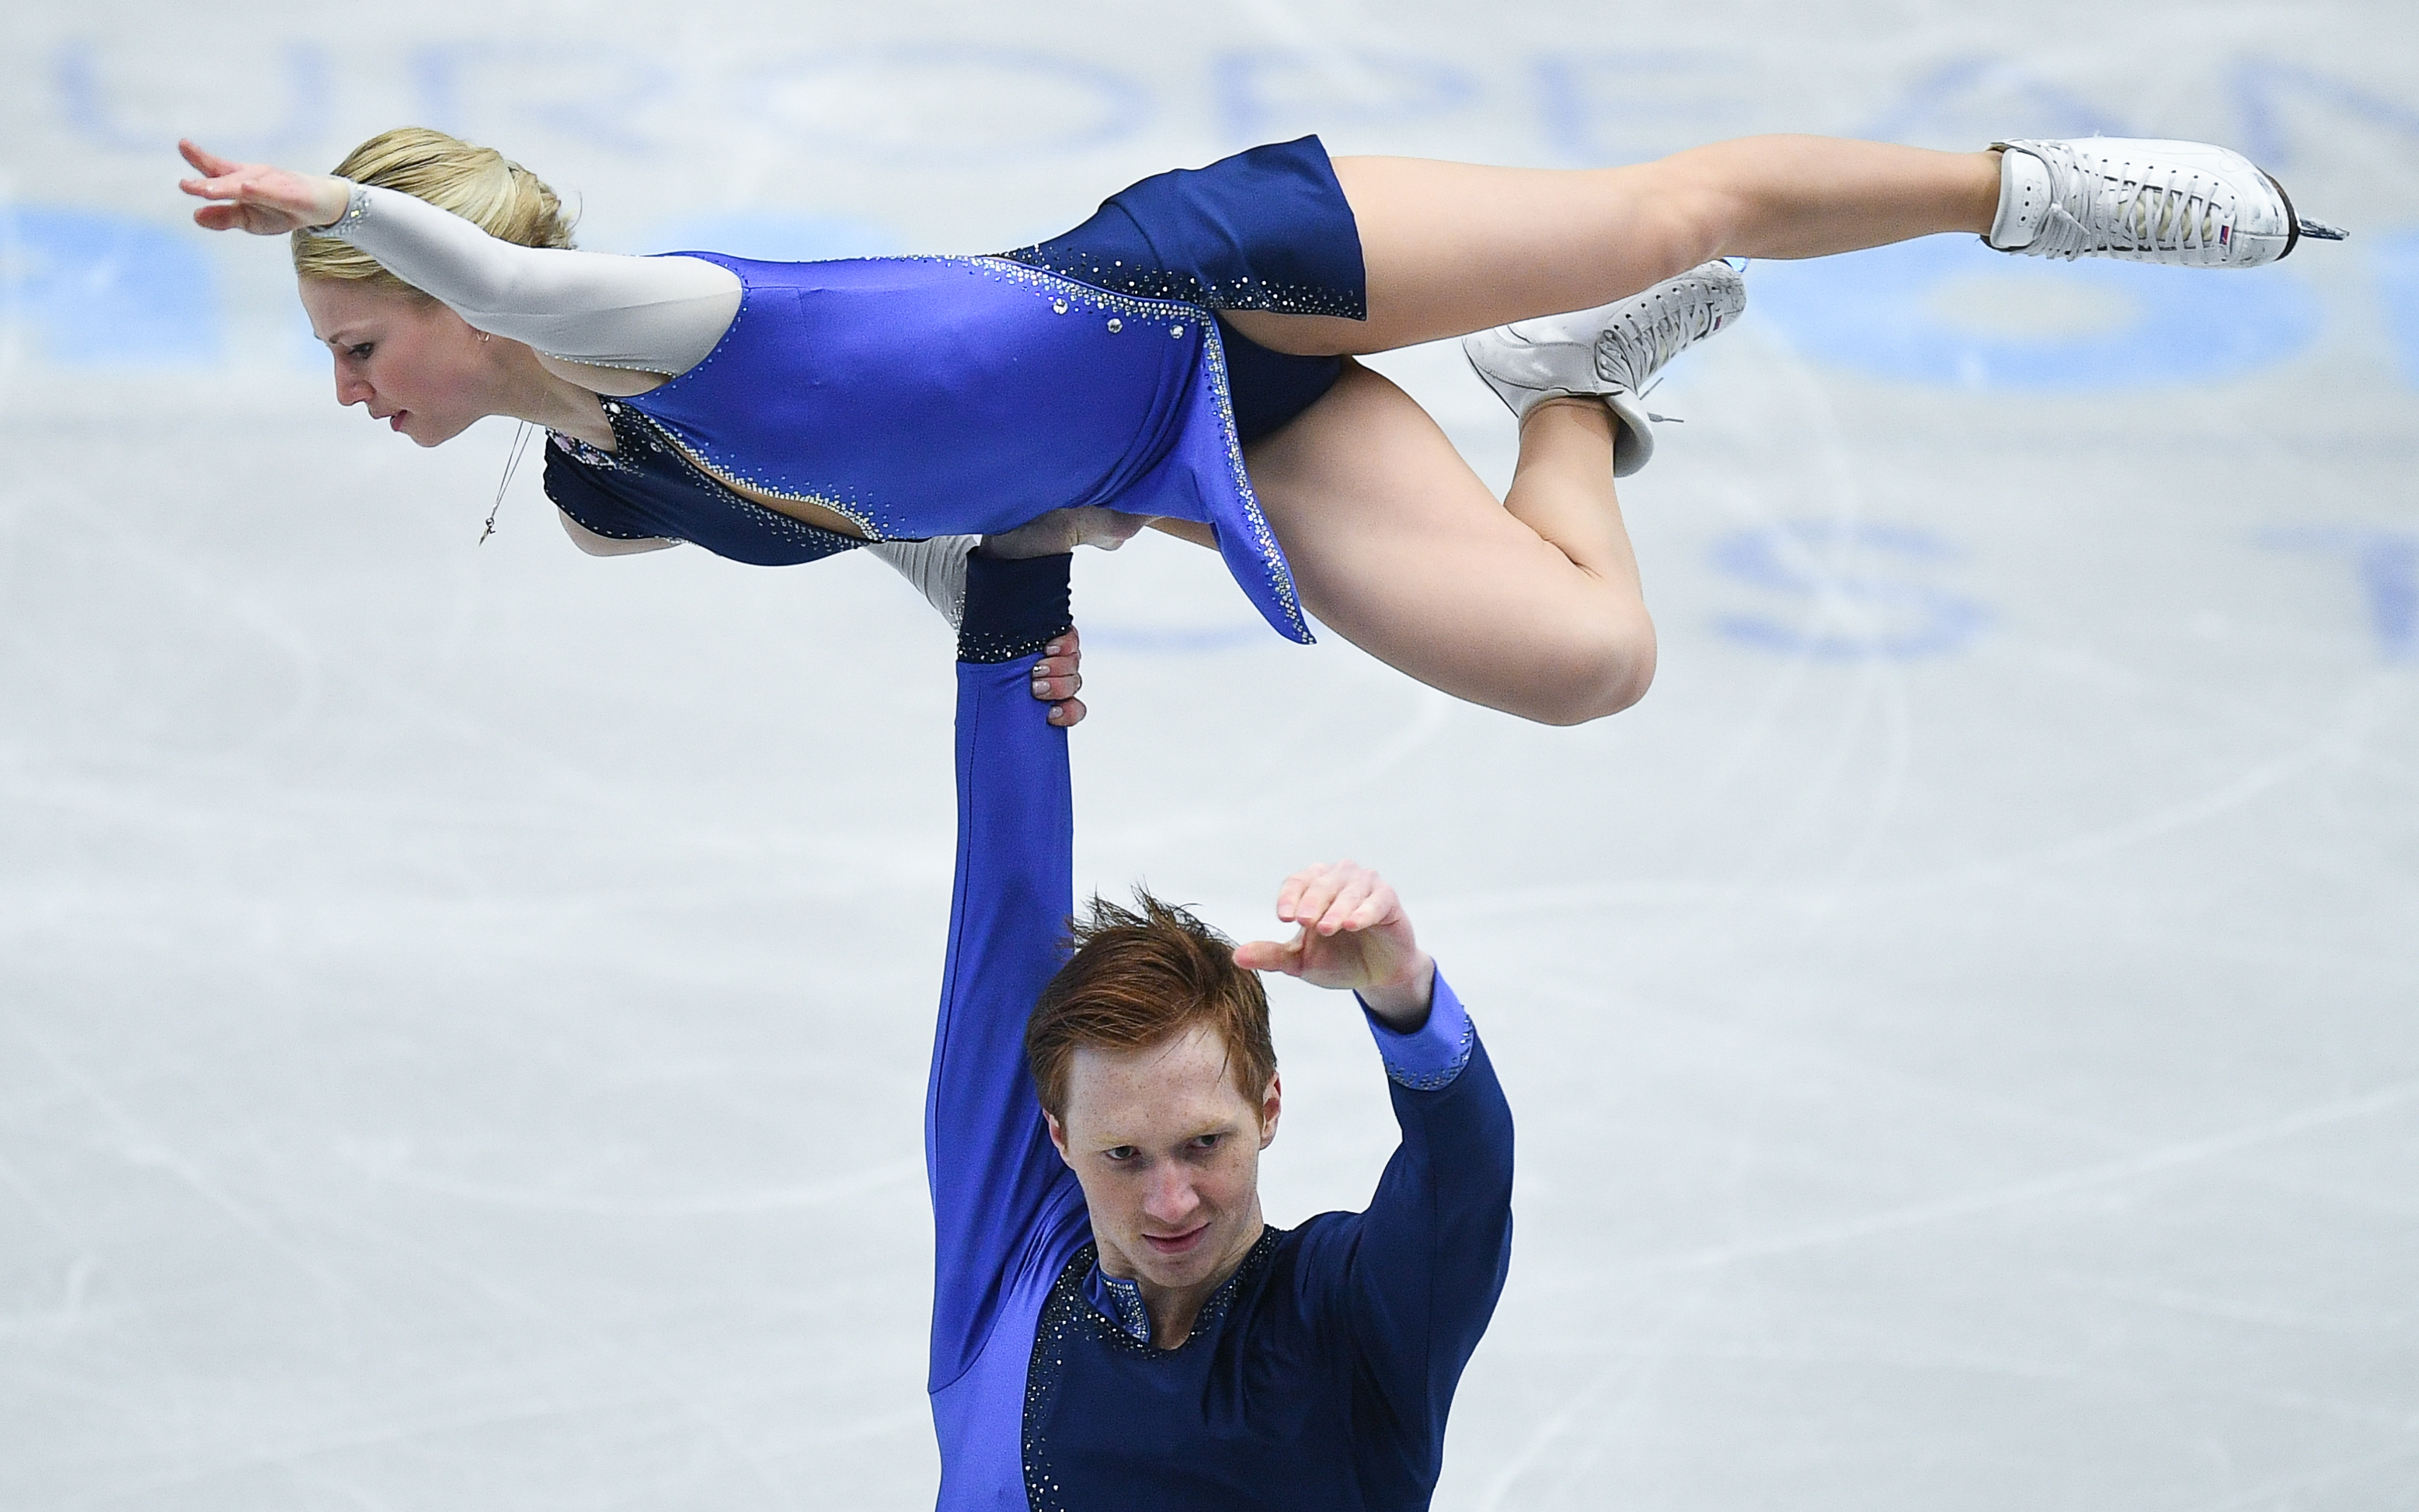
{"type": "Point", "coordinates": [2397, 260]}
{"type": "Point", "coordinates": [2385, 563]}
{"type": "Point", "coordinates": [1950, 311]}
{"type": "Point", "coordinates": [106, 290]}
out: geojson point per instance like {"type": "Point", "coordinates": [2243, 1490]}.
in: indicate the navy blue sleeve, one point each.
{"type": "Point", "coordinates": [996, 1177]}
{"type": "Point", "coordinates": [1423, 1270]}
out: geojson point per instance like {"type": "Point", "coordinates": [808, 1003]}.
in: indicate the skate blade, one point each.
{"type": "Point", "coordinates": [2320, 230]}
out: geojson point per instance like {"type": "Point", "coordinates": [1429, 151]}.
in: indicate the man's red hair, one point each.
{"type": "Point", "coordinates": [1140, 976]}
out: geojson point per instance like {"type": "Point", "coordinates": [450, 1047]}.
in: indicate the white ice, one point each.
{"type": "Point", "coordinates": [463, 1008]}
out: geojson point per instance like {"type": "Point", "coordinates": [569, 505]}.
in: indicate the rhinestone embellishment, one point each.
{"type": "Point", "coordinates": [1116, 324]}
{"type": "Point", "coordinates": [1043, 281]}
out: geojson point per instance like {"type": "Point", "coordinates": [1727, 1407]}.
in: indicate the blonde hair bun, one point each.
{"type": "Point", "coordinates": [479, 184]}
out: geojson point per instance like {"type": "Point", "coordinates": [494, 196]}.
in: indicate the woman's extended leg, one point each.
{"type": "Point", "coordinates": [1534, 606]}
{"type": "Point", "coordinates": [1531, 605]}
{"type": "Point", "coordinates": [1453, 248]}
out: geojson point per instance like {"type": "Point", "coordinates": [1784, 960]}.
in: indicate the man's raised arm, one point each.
{"type": "Point", "coordinates": [996, 1181]}
{"type": "Point", "coordinates": [1419, 1271]}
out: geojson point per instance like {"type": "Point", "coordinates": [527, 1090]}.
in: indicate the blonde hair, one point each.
{"type": "Point", "coordinates": [479, 184]}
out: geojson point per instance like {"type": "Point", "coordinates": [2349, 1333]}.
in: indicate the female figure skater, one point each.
{"type": "Point", "coordinates": [1182, 357]}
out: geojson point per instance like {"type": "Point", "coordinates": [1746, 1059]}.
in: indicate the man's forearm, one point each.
{"type": "Point", "coordinates": [994, 1174]}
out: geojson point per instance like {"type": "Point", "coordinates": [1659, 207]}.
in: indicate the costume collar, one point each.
{"type": "Point", "coordinates": [1120, 1300]}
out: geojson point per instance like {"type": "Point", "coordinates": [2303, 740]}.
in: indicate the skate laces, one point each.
{"type": "Point", "coordinates": [1637, 343]}
{"type": "Point", "coordinates": [2170, 212]}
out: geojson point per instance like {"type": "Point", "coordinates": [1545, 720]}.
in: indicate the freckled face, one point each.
{"type": "Point", "coordinates": [1167, 1148]}
{"type": "Point", "coordinates": [404, 357]}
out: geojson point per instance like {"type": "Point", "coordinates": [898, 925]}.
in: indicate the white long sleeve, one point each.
{"type": "Point", "coordinates": [657, 314]}
{"type": "Point", "coordinates": [937, 568]}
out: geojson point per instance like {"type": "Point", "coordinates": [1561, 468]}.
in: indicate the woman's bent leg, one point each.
{"type": "Point", "coordinates": [1531, 605]}
{"type": "Point", "coordinates": [1454, 248]}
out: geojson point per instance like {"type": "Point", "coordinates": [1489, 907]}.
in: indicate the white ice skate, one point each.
{"type": "Point", "coordinates": [1611, 352]}
{"type": "Point", "coordinates": [2183, 203]}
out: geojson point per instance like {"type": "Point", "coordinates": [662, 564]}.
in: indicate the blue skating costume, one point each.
{"type": "Point", "coordinates": [930, 396]}
{"type": "Point", "coordinates": [1320, 1376]}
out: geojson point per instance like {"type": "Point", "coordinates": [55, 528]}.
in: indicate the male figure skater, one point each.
{"type": "Point", "coordinates": [1113, 1326]}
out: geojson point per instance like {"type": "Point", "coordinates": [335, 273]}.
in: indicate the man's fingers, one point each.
{"type": "Point", "coordinates": [1318, 893]}
{"type": "Point", "coordinates": [1370, 901]}
{"type": "Point", "coordinates": [1347, 885]}
{"type": "Point", "coordinates": [1376, 908]}
{"type": "Point", "coordinates": [1268, 955]}
{"type": "Point", "coordinates": [1305, 894]}
{"type": "Point", "coordinates": [1352, 890]}
{"type": "Point", "coordinates": [1289, 897]}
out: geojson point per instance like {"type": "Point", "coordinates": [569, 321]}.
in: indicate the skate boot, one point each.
{"type": "Point", "coordinates": [2183, 203]}
{"type": "Point", "coordinates": [1611, 352]}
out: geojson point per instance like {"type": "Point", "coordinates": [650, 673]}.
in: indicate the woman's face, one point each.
{"type": "Point", "coordinates": [409, 360]}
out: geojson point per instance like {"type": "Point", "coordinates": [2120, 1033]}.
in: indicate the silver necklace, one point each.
{"type": "Point", "coordinates": [512, 465]}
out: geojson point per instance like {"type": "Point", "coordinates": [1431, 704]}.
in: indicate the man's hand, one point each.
{"type": "Point", "coordinates": [1059, 677]}
{"type": "Point", "coordinates": [1351, 935]}
{"type": "Point", "coordinates": [255, 197]}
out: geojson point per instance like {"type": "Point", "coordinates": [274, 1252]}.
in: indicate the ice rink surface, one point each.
{"type": "Point", "coordinates": [463, 1008]}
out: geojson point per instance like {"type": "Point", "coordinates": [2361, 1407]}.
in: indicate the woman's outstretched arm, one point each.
{"type": "Point", "coordinates": [657, 314]}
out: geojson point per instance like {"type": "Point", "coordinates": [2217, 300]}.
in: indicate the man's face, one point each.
{"type": "Point", "coordinates": [1167, 1148]}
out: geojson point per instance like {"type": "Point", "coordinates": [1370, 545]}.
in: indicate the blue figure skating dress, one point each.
{"type": "Point", "coordinates": [930, 396]}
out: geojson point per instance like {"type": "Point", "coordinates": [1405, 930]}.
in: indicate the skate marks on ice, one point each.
{"type": "Point", "coordinates": [463, 1050]}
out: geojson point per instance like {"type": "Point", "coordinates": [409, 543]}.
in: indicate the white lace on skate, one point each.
{"type": "Point", "coordinates": [2183, 203]}
{"type": "Point", "coordinates": [1648, 332]}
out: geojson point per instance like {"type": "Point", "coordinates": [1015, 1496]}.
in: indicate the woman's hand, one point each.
{"type": "Point", "coordinates": [1352, 933]}
{"type": "Point", "coordinates": [1060, 531]}
{"type": "Point", "coordinates": [1058, 677]}
{"type": "Point", "coordinates": [254, 197]}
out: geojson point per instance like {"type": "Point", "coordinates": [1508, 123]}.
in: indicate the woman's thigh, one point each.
{"type": "Point", "coordinates": [1397, 547]}
{"type": "Point", "coordinates": [1452, 247]}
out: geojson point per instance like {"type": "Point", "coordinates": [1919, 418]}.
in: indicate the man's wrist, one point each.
{"type": "Point", "coordinates": [1013, 606]}
{"type": "Point", "coordinates": [1429, 1057]}
{"type": "Point", "coordinates": [1404, 1006]}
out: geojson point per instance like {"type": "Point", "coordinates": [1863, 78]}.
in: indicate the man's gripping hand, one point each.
{"type": "Point", "coordinates": [1350, 934]}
